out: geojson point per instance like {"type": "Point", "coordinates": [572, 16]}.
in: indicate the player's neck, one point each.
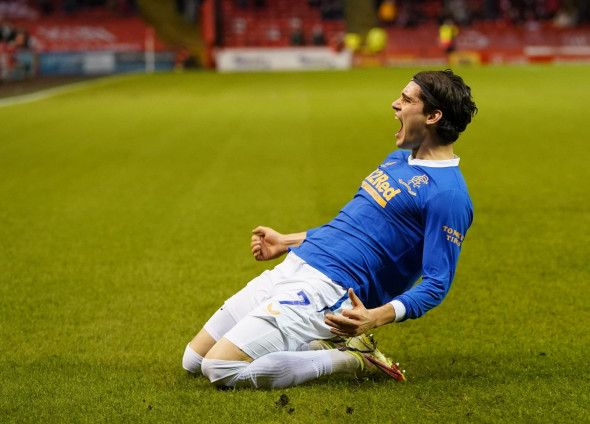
{"type": "Point", "coordinates": [432, 151]}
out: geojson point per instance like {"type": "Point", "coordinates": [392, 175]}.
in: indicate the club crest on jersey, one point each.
{"type": "Point", "coordinates": [271, 311]}
{"type": "Point", "coordinates": [415, 182]}
{"type": "Point", "coordinates": [378, 186]}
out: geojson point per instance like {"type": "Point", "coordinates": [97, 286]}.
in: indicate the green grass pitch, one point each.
{"type": "Point", "coordinates": [125, 218]}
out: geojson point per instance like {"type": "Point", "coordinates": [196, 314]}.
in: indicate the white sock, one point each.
{"type": "Point", "coordinates": [191, 361]}
{"type": "Point", "coordinates": [343, 362]}
{"type": "Point", "coordinates": [271, 371]}
{"type": "Point", "coordinates": [223, 373]}
{"type": "Point", "coordinates": [303, 347]}
{"type": "Point", "coordinates": [318, 345]}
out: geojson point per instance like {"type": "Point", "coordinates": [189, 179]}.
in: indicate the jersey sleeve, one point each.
{"type": "Point", "coordinates": [447, 218]}
{"type": "Point", "coordinates": [311, 231]}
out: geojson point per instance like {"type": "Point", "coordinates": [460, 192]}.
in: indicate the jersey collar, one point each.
{"type": "Point", "coordinates": [434, 163]}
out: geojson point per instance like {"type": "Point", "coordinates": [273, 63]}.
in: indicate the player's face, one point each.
{"type": "Point", "coordinates": [409, 110]}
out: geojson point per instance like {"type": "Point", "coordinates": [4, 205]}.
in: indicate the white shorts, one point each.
{"type": "Point", "coordinates": [282, 309]}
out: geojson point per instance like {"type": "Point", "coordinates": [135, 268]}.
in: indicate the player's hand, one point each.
{"type": "Point", "coordinates": [267, 244]}
{"type": "Point", "coordinates": [353, 322]}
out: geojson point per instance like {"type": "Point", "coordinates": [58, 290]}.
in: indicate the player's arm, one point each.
{"type": "Point", "coordinates": [448, 217]}
{"type": "Point", "coordinates": [269, 244]}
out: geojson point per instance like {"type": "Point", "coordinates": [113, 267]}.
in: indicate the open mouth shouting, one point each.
{"type": "Point", "coordinates": [398, 134]}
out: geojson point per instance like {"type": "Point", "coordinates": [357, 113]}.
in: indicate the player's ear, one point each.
{"type": "Point", "coordinates": [434, 116]}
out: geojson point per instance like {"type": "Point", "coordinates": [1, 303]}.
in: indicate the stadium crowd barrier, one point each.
{"type": "Point", "coordinates": [75, 45]}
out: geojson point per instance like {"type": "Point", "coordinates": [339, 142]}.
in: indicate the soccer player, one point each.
{"type": "Point", "coordinates": [359, 271]}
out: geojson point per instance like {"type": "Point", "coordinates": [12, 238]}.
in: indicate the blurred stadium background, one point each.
{"type": "Point", "coordinates": [40, 38]}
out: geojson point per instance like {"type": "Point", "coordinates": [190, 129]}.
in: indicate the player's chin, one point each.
{"type": "Point", "coordinates": [405, 143]}
{"type": "Point", "coordinates": [399, 141]}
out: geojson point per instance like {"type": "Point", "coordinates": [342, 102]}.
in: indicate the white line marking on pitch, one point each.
{"type": "Point", "coordinates": [56, 91]}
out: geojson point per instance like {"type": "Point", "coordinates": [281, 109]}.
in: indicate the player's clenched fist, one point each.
{"type": "Point", "coordinates": [267, 244]}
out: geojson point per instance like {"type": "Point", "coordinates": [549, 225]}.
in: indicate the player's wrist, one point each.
{"type": "Point", "coordinates": [376, 317]}
{"type": "Point", "coordinates": [292, 240]}
{"type": "Point", "coordinates": [382, 315]}
{"type": "Point", "coordinates": [283, 244]}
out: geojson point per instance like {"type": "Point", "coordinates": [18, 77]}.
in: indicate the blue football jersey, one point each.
{"type": "Point", "coordinates": [408, 220]}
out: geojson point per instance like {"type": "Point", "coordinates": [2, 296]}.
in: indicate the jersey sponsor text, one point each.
{"type": "Point", "coordinates": [377, 185]}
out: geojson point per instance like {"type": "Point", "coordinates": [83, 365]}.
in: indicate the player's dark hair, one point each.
{"type": "Point", "coordinates": [447, 92]}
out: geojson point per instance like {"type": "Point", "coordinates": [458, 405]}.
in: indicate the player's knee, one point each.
{"type": "Point", "coordinates": [223, 373]}
{"type": "Point", "coordinates": [191, 361]}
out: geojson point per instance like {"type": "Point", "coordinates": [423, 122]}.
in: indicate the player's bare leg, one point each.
{"type": "Point", "coordinates": [202, 342]}
{"type": "Point", "coordinates": [227, 351]}
{"type": "Point", "coordinates": [196, 350]}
